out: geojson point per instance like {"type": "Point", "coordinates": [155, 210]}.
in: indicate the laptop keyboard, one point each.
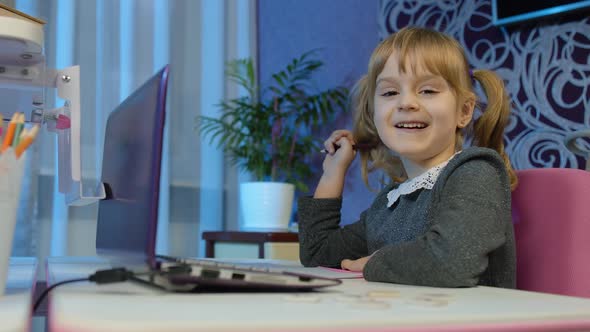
{"type": "Point", "coordinates": [255, 267]}
{"type": "Point", "coordinates": [257, 274]}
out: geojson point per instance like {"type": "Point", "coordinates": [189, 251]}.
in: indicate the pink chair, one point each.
{"type": "Point", "coordinates": [551, 214]}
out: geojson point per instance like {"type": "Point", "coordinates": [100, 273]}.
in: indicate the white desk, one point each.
{"type": "Point", "coordinates": [356, 305]}
{"type": "Point", "coordinates": [16, 303]}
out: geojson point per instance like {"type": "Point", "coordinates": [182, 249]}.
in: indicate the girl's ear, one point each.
{"type": "Point", "coordinates": [466, 112]}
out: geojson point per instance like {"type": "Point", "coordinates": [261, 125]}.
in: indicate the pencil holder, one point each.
{"type": "Point", "coordinates": [11, 175]}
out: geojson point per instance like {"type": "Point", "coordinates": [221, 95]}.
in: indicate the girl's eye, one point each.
{"type": "Point", "coordinates": [428, 92]}
{"type": "Point", "coordinates": [389, 93]}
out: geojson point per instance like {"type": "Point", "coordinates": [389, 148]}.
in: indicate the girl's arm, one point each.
{"type": "Point", "coordinates": [321, 240]}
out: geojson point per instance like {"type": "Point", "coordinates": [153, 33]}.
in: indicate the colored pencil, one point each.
{"type": "Point", "coordinates": [360, 146]}
{"type": "Point", "coordinates": [9, 132]}
{"type": "Point", "coordinates": [26, 141]}
{"type": "Point", "coordinates": [20, 124]}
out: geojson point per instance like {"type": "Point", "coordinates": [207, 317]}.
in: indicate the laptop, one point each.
{"type": "Point", "coordinates": [128, 216]}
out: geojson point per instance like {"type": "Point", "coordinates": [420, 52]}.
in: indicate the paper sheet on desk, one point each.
{"type": "Point", "coordinates": [327, 272]}
{"type": "Point", "coordinates": [292, 266]}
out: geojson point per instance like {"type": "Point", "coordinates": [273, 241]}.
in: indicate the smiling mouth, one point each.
{"type": "Point", "coordinates": [411, 125]}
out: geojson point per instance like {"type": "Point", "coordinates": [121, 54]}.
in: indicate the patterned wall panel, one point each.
{"type": "Point", "coordinates": [546, 67]}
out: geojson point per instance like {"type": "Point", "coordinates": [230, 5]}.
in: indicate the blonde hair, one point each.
{"type": "Point", "coordinates": [441, 55]}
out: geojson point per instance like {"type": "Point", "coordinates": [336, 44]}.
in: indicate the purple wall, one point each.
{"type": "Point", "coordinates": [545, 66]}
{"type": "Point", "coordinates": [346, 32]}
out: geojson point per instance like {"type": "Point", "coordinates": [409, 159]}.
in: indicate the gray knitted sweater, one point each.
{"type": "Point", "coordinates": [458, 234]}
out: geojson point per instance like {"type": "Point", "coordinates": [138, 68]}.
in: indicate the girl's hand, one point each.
{"type": "Point", "coordinates": [340, 156]}
{"type": "Point", "coordinates": [356, 265]}
{"type": "Point", "coordinates": [340, 152]}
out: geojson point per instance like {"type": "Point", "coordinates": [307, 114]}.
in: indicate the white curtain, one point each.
{"type": "Point", "coordinates": [118, 45]}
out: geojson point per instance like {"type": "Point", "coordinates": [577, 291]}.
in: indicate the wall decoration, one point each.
{"type": "Point", "coordinates": [545, 65]}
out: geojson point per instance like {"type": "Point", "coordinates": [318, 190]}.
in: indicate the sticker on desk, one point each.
{"type": "Point", "coordinates": [302, 298]}
{"type": "Point", "coordinates": [372, 300]}
{"type": "Point", "coordinates": [428, 301]}
{"type": "Point", "coordinates": [383, 294]}
{"type": "Point", "coordinates": [348, 298]}
{"type": "Point", "coordinates": [370, 304]}
{"type": "Point", "coordinates": [437, 295]}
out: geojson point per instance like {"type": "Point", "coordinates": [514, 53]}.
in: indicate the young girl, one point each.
{"type": "Point", "coordinates": [445, 221]}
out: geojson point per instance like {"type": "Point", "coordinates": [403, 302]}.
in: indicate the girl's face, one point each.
{"type": "Point", "coordinates": [417, 114]}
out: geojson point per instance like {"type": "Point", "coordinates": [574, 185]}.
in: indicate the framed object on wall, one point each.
{"type": "Point", "coordinates": [506, 12]}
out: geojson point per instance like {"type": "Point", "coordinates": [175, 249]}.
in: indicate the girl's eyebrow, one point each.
{"type": "Point", "coordinates": [421, 78]}
{"type": "Point", "coordinates": [429, 77]}
{"type": "Point", "coordinates": [385, 79]}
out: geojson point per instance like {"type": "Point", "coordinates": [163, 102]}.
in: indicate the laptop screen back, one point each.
{"type": "Point", "coordinates": [127, 217]}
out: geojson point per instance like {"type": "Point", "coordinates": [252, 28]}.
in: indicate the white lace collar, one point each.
{"type": "Point", "coordinates": [425, 180]}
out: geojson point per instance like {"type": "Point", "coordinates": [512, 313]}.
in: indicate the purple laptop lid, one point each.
{"type": "Point", "coordinates": [127, 217]}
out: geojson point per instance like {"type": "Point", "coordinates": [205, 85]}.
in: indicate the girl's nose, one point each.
{"type": "Point", "coordinates": [407, 102]}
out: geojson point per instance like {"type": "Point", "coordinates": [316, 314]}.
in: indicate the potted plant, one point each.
{"type": "Point", "coordinates": [268, 133]}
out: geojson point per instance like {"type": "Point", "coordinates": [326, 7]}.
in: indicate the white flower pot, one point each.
{"type": "Point", "coordinates": [266, 205]}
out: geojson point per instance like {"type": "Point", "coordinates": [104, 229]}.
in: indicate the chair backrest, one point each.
{"type": "Point", "coordinates": [551, 214]}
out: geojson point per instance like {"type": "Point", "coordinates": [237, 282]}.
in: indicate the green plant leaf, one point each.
{"type": "Point", "coordinates": [244, 128]}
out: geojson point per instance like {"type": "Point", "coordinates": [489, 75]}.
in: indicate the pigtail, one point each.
{"type": "Point", "coordinates": [488, 130]}
{"type": "Point", "coordinates": [364, 130]}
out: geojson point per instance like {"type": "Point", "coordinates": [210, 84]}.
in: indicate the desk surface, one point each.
{"type": "Point", "coordinates": [16, 303]}
{"type": "Point", "coordinates": [354, 305]}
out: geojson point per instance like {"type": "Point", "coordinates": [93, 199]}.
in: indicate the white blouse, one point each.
{"type": "Point", "coordinates": [425, 180]}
